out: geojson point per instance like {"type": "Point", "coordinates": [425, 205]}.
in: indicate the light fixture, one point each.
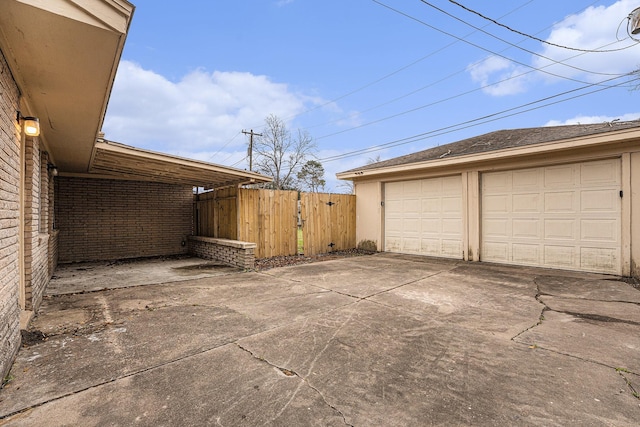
{"type": "Point", "coordinates": [31, 125]}
{"type": "Point", "coordinates": [52, 168]}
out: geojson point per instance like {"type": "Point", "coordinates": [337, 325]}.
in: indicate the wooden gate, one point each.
{"type": "Point", "coordinates": [328, 222]}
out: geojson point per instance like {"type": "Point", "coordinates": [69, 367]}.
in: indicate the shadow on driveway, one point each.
{"type": "Point", "coordinates": [373, 340]}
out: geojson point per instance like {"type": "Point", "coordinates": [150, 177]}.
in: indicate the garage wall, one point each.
{"type": "Point", "coordinates": [635, 214]}
{"type": "Point", "coordinates": [369, 213]}
{"type": "Point", "coordinates": [101, 219]}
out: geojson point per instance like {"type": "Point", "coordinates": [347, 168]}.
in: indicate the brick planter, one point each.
{"type": "Point", "coordinates": [232, 252]}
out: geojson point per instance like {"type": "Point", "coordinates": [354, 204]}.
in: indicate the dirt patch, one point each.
{"type": "Point", "coordinates": [285, 261]}
{"type": "Point", "coordinates": [30, 338]}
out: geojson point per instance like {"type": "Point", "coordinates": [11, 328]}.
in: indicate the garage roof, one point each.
{"type": "Point", "coordinates": [510, 142]}
{"type": "Point", "coordinates": [118, 161]}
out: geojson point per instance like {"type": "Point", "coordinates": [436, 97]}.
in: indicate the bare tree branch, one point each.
{"type": "Point", "coordinates": [280, 155]}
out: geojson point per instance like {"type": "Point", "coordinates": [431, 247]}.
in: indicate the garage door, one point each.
{"type": "Point", "coordinates": [424, 217]}
{"type": "Point", "coordinates": [566, 216]}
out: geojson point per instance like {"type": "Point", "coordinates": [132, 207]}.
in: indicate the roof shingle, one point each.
{"type": "Point", "coordinates": [503, 139]}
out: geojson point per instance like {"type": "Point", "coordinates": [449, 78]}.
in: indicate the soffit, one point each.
{"type": "Point", "coordinates": [63, 54]}
{"type": "Point", "coordinates": [119, 161]}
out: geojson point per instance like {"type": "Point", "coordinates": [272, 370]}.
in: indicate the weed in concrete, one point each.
{"type": "Point", "coordinates": [6, 380]}
{"type": "Point", "coordinates": [621, 372]}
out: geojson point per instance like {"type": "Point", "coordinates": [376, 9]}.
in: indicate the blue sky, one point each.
{"type": "Point", "coordinates": [358, 74]}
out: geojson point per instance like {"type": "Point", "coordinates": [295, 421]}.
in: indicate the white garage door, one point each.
{"type": "Point", "coordinates": [424, 217]}
{"type": "Point", "coordinates": [566, 216]}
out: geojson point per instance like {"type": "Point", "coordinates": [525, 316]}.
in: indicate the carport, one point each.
{"type": "Point", "coordinates": [133, 203]}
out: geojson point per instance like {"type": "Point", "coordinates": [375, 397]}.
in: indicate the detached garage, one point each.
{"type": "Point", "coordinates": [555, 197]}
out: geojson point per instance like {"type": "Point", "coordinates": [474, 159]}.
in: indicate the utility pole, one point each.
{"type": "Point", "coordinates": [251, 134]}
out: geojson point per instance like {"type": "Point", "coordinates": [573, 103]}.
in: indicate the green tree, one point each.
{"type": "Point", "coordinates": [311, 176]}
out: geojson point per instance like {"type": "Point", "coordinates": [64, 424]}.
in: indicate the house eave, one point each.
{"type": "Point", "coordinates": [63, 54]}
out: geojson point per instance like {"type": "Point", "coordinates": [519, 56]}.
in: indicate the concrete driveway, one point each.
{"type": "Point", "coordinates": [378, 340]}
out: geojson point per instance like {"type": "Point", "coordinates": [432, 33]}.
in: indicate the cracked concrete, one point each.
{"type": "Point", "coordinates": [376, 340]}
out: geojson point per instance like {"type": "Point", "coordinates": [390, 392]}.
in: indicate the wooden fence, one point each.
{"type": "Point", "coordinates": [270, 219]}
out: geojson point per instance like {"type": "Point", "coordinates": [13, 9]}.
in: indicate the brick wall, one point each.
{"type": "Point", "coordinates": [232, 252]}
{"type": "Point", "coordinates": [9, 219]}
{"type": "Point", "coordinates": [37, 224]}
{"type": "Point", "coordinates": [53, 232]}
{"type": "Point", "coordinates": [101, 219]}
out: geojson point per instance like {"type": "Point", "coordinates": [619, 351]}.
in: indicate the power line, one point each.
{"type": "Point", "coordinates": [530, 36]}
{"type": "Point", "coordinates": [458, 39]}
{"type": "Point", "coordinates": [391, 74]}
{"type": "Point", "coordinates": [221, 148]}
{"type": "Point", "coordinates": [520, 47]}
{"type": "Point", "coordinates": [474, 44]}
{"type": "Point", "coordinates": [431, 104]}
{"type": "Point", "coordinates": [481, 120]}
{"type": "Point", "coordinates": [446, 78]}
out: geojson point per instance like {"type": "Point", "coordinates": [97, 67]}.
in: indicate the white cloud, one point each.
{"type": "Point", "coordinates": [593, 119]}
{"type": "Point", "coordinates": [498, 76]}
{"type": "Point", "coordinates": [199, 113]}
{"type": "Point", "coordinates": [281, 3]}
{"type": "Point", "coordinates": [595, 29]}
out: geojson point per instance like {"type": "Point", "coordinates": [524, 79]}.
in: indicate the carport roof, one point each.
{"type": "Point", "coordinates": [113, 160]}
{"type": "Point", "coordinates": [507, 143]}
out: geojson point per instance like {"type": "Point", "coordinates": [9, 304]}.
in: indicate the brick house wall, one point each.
{"type": "Point", "coordinates": [9, 219]}
{"type": "Point", "coordinates": [53, 230]}
{"type": "Point", "coordinates": [37, 224]}
{"type": "Point", "coordinates": [103, 219]}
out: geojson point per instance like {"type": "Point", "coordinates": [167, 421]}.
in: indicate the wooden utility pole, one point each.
{"type": "Point", "coordinates": [251, 134]}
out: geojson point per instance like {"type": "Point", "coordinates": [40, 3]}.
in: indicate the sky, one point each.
{"type": "Point", "coordinates": [367, 79]}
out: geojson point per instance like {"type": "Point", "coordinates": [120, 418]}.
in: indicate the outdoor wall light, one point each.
{"type": "Point", "coordinates": [52, 168]}
{"type": "Point", "coordinates": [31, 125]}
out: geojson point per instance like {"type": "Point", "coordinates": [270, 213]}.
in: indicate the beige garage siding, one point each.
{"type": "Point", "coordinates": [424, 217]}
{"type": "Point", "coordinates": [565, 216]}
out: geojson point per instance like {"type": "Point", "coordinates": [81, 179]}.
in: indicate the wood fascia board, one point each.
{"type": "Point", "coordinates": [139, 154]}
{"type": "Point", "coordinates": [134, 161]}
{"type": "Point", "coordinates": [607, 139]}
